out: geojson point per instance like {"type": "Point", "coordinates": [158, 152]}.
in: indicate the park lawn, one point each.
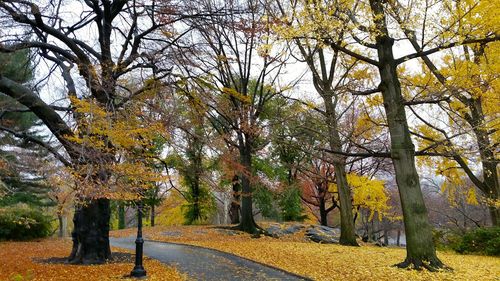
{"type": "Point", "coordinates": [324, 262]}
{"type": "Point", "coordinates": [44, 260]}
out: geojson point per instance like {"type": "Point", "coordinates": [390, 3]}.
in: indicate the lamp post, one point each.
{"type": "Point", "coordinates": [139, 270]}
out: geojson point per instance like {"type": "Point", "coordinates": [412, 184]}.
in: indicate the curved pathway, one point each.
{"type": "Point", "coordinates": [205, 264]}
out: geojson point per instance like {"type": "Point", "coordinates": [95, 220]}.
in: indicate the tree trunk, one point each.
{"type": "Point", "coordinates": [386, 233]}
{"type": "Point", "coordinates": [487, 156]}
{"type": "Point", "coordinates": [91, 233]}
{"type": "Point", "coordinates": [121, 215]}
{"type": "Point", "coordinates": [196, 200]}
{"type": "Point", "coordinates": [322, 212]}
{"type": "Point", "coordinates": [347, 230]}
{"type": "Point", "coordinates": [398, 239]}
{"type": "Point", "coordinates": [152, 219]}
{"type": "Point", "coordinates": [62, 226]}
{"type": "Point", "coordinates": [247, 222]}
{"type": "Point", "coordinates": [420, 251]}
{"type": "Point", "coordinates": [234, 210]}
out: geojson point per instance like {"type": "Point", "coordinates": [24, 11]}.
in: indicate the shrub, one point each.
{"type": "Point", "coordinates": [446, 239]}
{"type": "Point", "coordinates": [20, 222]}
{"type": "Point", "coordinates": [482, 241]}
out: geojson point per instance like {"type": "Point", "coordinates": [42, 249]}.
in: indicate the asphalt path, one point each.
{"type": "Point", "coordinates": [206, 264]}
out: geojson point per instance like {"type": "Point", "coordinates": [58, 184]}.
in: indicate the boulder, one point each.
{"type": "Point", "coordinates": [323, 234]}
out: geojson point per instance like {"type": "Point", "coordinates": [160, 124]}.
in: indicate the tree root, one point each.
{"type": "Point", "coordinates": [431, 264]}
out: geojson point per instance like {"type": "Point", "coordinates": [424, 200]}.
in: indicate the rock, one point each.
{"type": "Point", "coordinates": [323, 239]}
{"type": "Point", "coordinates": [293, 229]}
{"type": "Point", "coordinates": [274, 231]}
{"type": "Point", "coordinates": [323, 234]}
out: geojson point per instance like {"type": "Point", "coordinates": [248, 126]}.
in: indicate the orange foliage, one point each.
{"type": "Point", "coordinates": [44, 261]}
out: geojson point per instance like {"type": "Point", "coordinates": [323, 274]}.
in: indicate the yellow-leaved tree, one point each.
{"type": "Point", "coordinates": [374, 27]}
{"type": "Point", "coordinates": [368, 193]}
{"type": "Point", "coordinates": [462, 85]}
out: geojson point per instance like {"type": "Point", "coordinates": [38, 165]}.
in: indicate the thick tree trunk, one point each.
{"type": "Point", "coordinates": [420, 251]}
{"type": "Point", "coordinates": [419, 241]}
{"type": "Point", "coordinates": [91, 233]}
{"type": "Point", "coordinates": [247, 222]}
{"type": "Point", "coordinates": [347, 230]}
{"type": "Point", "coordinates": [234, 209]}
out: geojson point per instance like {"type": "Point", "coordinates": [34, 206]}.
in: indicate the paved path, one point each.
{"type": "Point", "coordinates": [205, 264]}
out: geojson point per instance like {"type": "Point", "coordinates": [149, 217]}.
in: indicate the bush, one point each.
{"type": "Point", "coordinates": [481, 241]}
{"type": "Point", "coordinates": [22, 223]}
{"type": "Point", "coordinates": [446, 239]}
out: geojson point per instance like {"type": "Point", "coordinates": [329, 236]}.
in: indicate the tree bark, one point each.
{"type": "Point", "coordinates": [322, 212]}
{"type": "Point", "coordinates": [121, 216]}
{"type": "Point", "coordinates": [386, 233]}
{"type": "Point", "coordinates": [347, 230]}
{"type": "Point", "coordinates": [152, 219]}
{"type": "Point", "coordinates": [234, 210]}
{"type": "Point", "coordinates": [420, 251]}
{"type": "Point", "coordinates": [247, 222]}
{"type": "Point", "coordinates": [91, 233]}
{"type": "Point", "coordinates": [62, 226]}
{"type": "Point", "coordinates": [487, 156]}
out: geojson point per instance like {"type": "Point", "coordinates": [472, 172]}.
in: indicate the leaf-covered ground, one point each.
{"type": "Point", "coordinates": [323, 262]}
{"type": "Point", "coordinates": [45, 261]}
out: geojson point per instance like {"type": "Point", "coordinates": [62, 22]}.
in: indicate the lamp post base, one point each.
{"type": "Point", "coordinates": [138, 272]}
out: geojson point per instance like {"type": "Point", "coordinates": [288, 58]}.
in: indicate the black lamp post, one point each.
{"type": "Point", "coordinates": [139, 270]}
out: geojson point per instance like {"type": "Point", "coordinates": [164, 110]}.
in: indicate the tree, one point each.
{"type": "Point", "coordinates": [316, 188]}
{"type": "Point", "coordinates": [20, 155]}
{"type": "Point", "coordinates": [101, 63]}
{"type": "Point", "coordinates": [325, 19]}
{"type": "Point", "coordinates": [233, 66]}
{"type": "Point", "coordinates": [467, 87]}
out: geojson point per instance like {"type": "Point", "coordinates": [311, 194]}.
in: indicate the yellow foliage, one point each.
{"type": "Point", "coordinates": [171, 210]}
{"type": "Point", "coordinates": [127, 138]}
{"type": "Point", "coordinates": [233, 93]}
{"type": "Point", "coordinates": [327, 261]}
{"type": "Point", "coordinates": [374, 100]}
{"type": "Point", "coordinates": [471, 197]}
{"type": "Point", "coordinates": [369, 193]}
